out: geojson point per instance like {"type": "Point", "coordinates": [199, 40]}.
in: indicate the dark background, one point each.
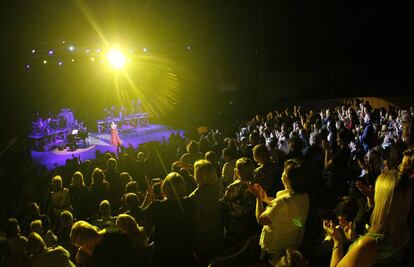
{"type": "Point", "coordinates": [245, 56]}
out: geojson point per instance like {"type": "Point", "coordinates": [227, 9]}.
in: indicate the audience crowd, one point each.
{"type": "Point", "coordinates": [312, 188]}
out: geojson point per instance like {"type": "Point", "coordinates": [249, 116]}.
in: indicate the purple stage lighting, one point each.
{"type": "Point", "coordinates": [27, 66]}
{"type": "Point", "coordinates": [51, 52]}
{"type": "Point", "coordinates": [60, 63]}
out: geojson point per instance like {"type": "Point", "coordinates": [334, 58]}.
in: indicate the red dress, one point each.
{"type": "Point", "coordinates": [115, 140]}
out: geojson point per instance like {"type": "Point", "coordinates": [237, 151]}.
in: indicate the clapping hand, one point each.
{"type": "Point", "coordinates": [258, 191]}
{"type": "Point", "coordinates": [333, 231]}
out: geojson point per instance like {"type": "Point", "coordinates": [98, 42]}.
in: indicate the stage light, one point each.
{"type": "Point", "coordinates": [33, 51]}
{"type": "Point", "coordinates": [73, 60]}
{"type": "Point", "coordinates": [27, 66]}
{"type": "Point", "coordinates": [92, 59]}
{"type": "Point", "coordinates": [144, 49]}
{"type": "Point", "coordinates": [131, 50]}
{"type": "Point", "coordinates": [88, 50]}
{"type": "Point", "coordinates": [63, 42]}
{"type": "Point", "coordinates": [188, 47]}
{"type": "Point", "coordinates": [116, 58]}
{"type": "Point", "coordinates": [98, 50]}
{"type": "Point", "coordinates": [60, 63]}
{"type": "Point", "coordinates": [51, 52]}
{"type": "Point", "coordinates": [71, 48]}
{"type": "Point", "coordinates": [44, 61]}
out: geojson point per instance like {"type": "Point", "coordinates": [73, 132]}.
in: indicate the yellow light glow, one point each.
{"type": "Point", "coordinates": [116, 58]}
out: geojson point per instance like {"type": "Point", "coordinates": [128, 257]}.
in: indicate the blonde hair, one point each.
{"type": "Point", "coordinates": [174, 186]}
{"type": "Point", "coordinates": [35, 244]}
{"type": "Point", "coordinates": [204, 173]}
{"type": "Point", "coordinates": [98, 176]}
{"type": "Point", "coordinates": [127, 224]}
{"type": "Point", "coordinates": [393, 194]}
{"type": "Point", "coordinates": [77, 178]}
{"type": "Point", "coordinates": [82, 232]}
{"type": "Point", "coordinates": [57, 181]}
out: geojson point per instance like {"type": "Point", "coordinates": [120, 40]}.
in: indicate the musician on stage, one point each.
{"type": "Point", "coordinates": [115, 140]}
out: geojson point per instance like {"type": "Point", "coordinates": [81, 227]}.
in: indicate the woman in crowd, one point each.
{"type": "Point", "coordinates": [137, 234]}
{"type": "Point", "coordinates": [171, 223]}
{"type": "Point", "coordinates": [42, 256]}
{"type": "Point", "coordinates": [238, 203]}
{"type": "Point", "coordinates": [99, 189]}
{"type": "Point", "coordinates": [109, 247]}
{"type": "Point", "coordinates": [285, 216]}
{"type": "Point", "coordinates": [59, 197]}
{"type": "Point", "coordinates": [388, 235]}
{"type": "Point", "coordinates": [78, 196]}
{"type": "Point", "coordinates": [206, 218]}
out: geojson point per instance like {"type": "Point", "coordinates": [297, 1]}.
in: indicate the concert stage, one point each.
{"type": "Point", "coordinates": [101, 142]}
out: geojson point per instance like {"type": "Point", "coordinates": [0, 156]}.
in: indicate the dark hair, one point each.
{"type": "Point", "coordinates": [228, 152]}
{"type": "Point", "coordinates": [296, 171]}
{"type": "Point", "coordinates": [193, 147]}
{"type": "Point", "coordinates": [348, 208]}
{"type": "Point", "coordinates": [12, 227]}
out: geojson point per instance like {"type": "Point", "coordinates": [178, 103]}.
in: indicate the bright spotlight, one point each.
{"type": "Point", "coordinates": [116, 59]}
{"type": "Point", "coordinates": [71, 48]}
{"type": "Point", "coordinates": [45, 61]}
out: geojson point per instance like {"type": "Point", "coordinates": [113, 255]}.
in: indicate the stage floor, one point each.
{"type": "Point", "coordinates": [101, 142]}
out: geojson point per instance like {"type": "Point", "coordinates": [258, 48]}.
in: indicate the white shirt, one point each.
{"type": "Point", "coordinates": [288, 214]}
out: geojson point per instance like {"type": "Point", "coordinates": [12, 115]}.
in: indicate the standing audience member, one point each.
{"type": "Point", "coordinates": [42, 256]}
{"type": "Point", "coordinates": [79, 196]}
{"type": "Point", "coordinates": [388, 235]}
{"type": "Point", "coordinates": [206, 219]}
{"type": "Point", "coordinates": [238, 203]}
{"type": "Point", "coordinates": [99, 189]}
{"type": "Point", "coordinates": [171, 223]}
{"type": "Point", "coordinates": [285, 216]}
{"type": "Point", "coordinates": [105, 248]}
{"type": "Point", "coordinates": [266, 173]}
{"type": "Point", "coordinates": [59, 198]}
{"type": "Point", "coordinates": [16, 242]}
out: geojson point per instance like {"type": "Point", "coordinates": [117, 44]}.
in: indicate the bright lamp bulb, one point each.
{"type": "Point", "coordinates": [116, 59]}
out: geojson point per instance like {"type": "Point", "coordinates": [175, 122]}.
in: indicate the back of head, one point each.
{"type": "Point", "coordinates": [291, 258]}
{"type": "Point", "coordinates": [35, 244]}
{"type": "Point", "coordinates": [229, 153]}
{"type": "Point", "coordinates": [111, 163]}
{"type": "Point", "coordinates": [66, 218]}
{"type": "Point", "coordinates": [57, 183]}
{"type": "Point", "coordinates": [131, 200]}
{"type": "Point", "coordinates": [132, 187]}
{"type": "Point", "coordinates": [261, 153]}
{"type": "Point", "coordinates": [193, 147]}
{"type": "Point", "coordinates": [174, 186]}
{"type": "Point", "coordinates": [77, 179]}
{"type": "Point", "coordinates": [82, 232]}
{"type": "Point", "coordinates": [348, 208]}
{"type": "Point", "coordinates": [12, 228]}
{"type": "Point", "coordinates": [37, 227]}
{"type": "Point", "coordinates": [105, 208]}
{"type": "Point", "coordinates": [245, 169]}
{"type": "Point", "coordinates": [98, 176]}
{"type": "Point", "coordinates": [393, 196]}
{"type": "Point", "coordinates": [296, 172]}
{"type": "Point", "coordinates": [127, 224]}
{"type": "Point", "coordinates": [211, 156]}
{"type": "Point", "coordinates": [204, 173]}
